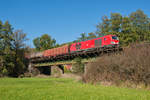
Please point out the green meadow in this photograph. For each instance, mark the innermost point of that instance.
(64, 89)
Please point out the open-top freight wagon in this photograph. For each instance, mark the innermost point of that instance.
(56, 51)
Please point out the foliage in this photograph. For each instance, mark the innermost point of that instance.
(91, 35)
(129, 29)
(64, 89)
(6, 48)
(103, 27)
(12, 48)
(84, 36)
(44, 42)
(78, 67)
(19, 38)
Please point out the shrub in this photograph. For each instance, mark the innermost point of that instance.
(132, 65)
(78, 66)
(4, 72)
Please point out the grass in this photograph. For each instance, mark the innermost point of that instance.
(64, 89)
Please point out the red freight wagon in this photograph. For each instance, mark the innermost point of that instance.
(108, 40)
(36, 55)
(56, 51)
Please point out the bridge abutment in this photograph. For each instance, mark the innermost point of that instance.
(57, 71)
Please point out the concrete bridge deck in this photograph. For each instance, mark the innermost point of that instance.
(62, 62)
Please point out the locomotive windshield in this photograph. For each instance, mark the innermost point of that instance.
(114, 37)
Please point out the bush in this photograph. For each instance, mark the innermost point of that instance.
(132, 65)
(4, 72)
(78, 67)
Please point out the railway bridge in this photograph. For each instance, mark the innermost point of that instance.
(51, 68)
(59, 64)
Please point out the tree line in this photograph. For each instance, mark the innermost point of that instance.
(12, 49)
(129, 29)
(132, 28)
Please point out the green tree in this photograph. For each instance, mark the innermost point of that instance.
(37, 44)
(116, 20)
(103, 27)
(78, 66)
(6, 39)
(91, 35)
(19, 48)
(126, 35)
(1, 37)
(11, 50)
(139, 22)
(82, 37)
(132, 28)
(44, 42)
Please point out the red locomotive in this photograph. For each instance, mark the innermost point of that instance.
(83, 46)
(105, 41)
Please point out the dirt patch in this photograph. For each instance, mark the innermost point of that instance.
(42, 76)
(70, 75)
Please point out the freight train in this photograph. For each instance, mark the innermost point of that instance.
(107, 41)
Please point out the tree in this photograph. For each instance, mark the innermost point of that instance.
(6, 39)
(91, 35)
(44, 42)
(19, 47)
(126, 35)
(139, 22)
(116, 20)
(103, 27)
(78, 66)
(1, 36)
(132, 28)
(82, 37)
(12, 47)
(37, 44)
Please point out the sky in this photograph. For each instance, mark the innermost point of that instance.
(63, 20)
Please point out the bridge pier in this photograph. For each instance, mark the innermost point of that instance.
(30, 67)
(57, 71)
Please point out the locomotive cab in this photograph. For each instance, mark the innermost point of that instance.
(114, 40)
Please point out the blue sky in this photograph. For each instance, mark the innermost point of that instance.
(64, 20)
